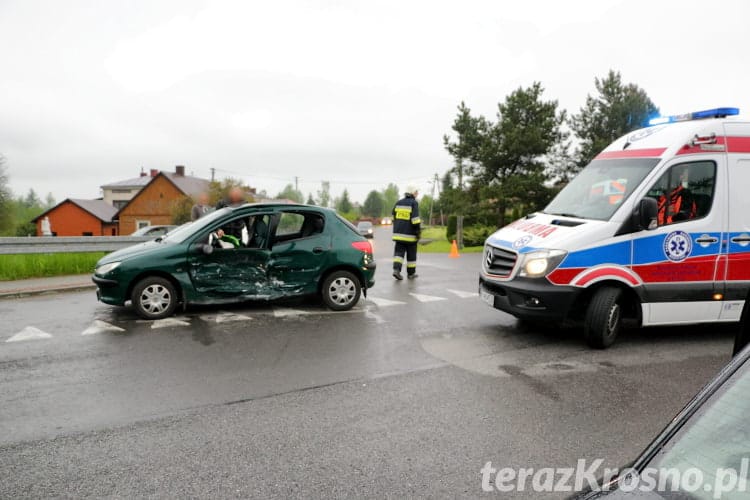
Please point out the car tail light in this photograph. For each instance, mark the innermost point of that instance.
(362, 246)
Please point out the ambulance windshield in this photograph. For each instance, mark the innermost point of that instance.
(600, 188)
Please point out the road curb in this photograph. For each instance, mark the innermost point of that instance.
(19, 294)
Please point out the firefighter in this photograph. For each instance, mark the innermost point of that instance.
(406, 231)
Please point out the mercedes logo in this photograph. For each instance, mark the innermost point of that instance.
(490, 257)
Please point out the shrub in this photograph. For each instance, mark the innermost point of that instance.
(476, 234)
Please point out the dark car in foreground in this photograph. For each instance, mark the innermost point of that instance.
(284, 251)
(703, 453)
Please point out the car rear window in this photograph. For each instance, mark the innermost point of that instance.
(348, 224)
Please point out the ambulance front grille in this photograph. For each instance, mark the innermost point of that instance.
(499, 261)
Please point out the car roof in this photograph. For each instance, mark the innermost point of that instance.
(286, 206)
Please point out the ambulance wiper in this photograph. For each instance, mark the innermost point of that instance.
(565, 215)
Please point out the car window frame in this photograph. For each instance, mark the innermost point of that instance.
(669, 169)
(199, 236)
(302, 212)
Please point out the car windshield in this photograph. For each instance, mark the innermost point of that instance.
(714, 440)
(365, 225)
(601, 188)
(180, 234)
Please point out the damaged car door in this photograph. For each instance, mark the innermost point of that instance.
(223, 270)
(301, 249)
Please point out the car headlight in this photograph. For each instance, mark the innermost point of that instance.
(538, 264)
(106, 268)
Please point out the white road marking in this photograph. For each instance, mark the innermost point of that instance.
(99, 326)
(384, 302)
(29, 333)
(371, 315)
(426, 298)
(228, 317)
(167, 322)
(288, 313)
(463, 295)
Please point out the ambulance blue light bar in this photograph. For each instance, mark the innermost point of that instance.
(695, 115)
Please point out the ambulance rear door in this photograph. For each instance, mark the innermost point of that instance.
(737, 244)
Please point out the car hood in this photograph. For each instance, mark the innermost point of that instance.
(130, 252)
(544, 231)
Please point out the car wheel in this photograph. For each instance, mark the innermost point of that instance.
(341, 290)
(154, 298)
(603, 317)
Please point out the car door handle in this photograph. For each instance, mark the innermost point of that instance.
(741, 239)
(318, 250)
(707, 239)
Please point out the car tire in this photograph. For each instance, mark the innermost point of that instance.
(154, 298)
(603, 317)
(341, 290)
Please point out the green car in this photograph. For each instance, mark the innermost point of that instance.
(281, 251)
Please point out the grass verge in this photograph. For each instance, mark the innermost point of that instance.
(439, 243)
(43, 265)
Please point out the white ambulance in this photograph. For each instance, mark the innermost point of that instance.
(655, 231)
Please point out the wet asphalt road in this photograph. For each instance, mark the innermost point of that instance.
(410, 394)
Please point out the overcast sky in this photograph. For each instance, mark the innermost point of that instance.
(356, 92)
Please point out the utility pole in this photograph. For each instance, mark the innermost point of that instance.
(296, 182)
(213, 174)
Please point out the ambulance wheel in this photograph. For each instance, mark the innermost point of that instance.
(154, 298)
(603, 317)
(341, 290)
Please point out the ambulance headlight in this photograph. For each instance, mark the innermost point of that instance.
(538, 264)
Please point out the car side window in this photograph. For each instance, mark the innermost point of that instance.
(684, 192)
(296, 225)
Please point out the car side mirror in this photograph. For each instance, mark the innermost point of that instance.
(646, 213)
(203, 248)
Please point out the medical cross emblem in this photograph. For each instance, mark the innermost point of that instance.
(677, 246)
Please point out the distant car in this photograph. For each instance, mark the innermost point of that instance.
(365, 229)
(285, 251)
(703, 451)
(386, 221)
(153, 231)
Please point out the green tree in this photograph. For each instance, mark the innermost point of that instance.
(7, 221)
(289, 193)
(614, 110)
(508, 158)
(218, 190)
(32, 199)
(390, 197)
(466, 142)
(344, 204)
(49, 201)
(373, 206)
(310, 199)
(324, 194)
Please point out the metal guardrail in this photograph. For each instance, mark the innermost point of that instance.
(67, 244)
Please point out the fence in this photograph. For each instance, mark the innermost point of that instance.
(68, 244)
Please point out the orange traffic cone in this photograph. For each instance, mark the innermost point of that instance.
(454, 250)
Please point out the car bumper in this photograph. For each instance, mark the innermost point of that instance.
(109, 291)
(531, 299)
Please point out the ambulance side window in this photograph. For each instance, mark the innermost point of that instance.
(685, 192)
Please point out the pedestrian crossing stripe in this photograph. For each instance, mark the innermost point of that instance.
(463, 295)
(167, 322)
(288, 313)
(426, 298)
(380, 302)
(228, 317)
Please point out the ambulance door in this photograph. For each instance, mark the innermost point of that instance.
(678, 260)
(737, 242)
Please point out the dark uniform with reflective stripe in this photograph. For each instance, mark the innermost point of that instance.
(406, 230)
